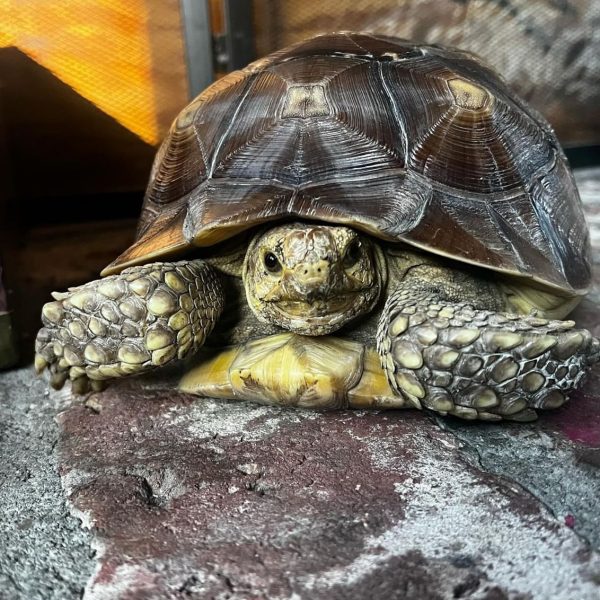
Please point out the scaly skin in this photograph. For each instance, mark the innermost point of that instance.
(126, 324)
(454, 358)
(445, 337)
(324, 277)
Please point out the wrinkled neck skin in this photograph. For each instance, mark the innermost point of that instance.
(312, 279)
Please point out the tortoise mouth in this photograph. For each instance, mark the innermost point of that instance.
(319, 317)
(319, 308)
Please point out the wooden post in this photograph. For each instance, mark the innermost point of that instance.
(8, 342)
(8, 346)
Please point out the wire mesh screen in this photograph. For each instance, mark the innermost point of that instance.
(125, 57)
(548, 50)
(88, 88)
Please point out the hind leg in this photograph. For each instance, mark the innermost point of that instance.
(127, 324)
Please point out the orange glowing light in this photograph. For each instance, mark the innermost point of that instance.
(101, 48)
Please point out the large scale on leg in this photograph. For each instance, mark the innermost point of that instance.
(354, 221)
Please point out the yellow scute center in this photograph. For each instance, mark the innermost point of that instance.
(468, 95)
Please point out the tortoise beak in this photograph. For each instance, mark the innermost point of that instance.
(312, 280)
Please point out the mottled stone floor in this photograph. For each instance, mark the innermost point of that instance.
(167, 496)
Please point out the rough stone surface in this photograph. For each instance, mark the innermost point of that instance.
(190, 498)
(557, 459)
(44, 553)
(206, 499)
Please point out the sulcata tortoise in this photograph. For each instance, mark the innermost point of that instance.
(353, 221)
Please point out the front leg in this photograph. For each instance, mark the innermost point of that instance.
(127, 324)
(446, 355)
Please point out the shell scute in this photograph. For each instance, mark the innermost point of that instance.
(411, 143)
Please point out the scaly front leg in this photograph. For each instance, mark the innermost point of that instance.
(447, 356)
(127, 324)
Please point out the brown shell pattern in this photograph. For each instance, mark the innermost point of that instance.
(413, 143)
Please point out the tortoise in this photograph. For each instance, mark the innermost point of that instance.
(397, 195)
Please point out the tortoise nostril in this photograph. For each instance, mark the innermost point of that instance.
(312, 273)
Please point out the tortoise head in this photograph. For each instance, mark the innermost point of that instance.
(312, 279)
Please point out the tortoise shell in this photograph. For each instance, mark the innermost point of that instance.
(409, 142)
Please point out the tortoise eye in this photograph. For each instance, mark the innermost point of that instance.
(272, 263)
(353, 254)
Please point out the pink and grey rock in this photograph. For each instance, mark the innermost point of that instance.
(192, 498)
